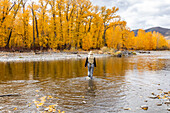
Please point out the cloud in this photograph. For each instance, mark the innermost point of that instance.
(141, 13)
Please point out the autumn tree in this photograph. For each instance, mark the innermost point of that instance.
(15, 11)
(69, 24)
(108, 15)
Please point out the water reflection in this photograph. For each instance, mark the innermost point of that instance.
(91, 88)
(116, 83)
(106, 67)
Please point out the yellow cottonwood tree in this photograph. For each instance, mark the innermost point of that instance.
(66, 24)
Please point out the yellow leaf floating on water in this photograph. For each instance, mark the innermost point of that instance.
(59, 111)
(37, 90)
(15, 108)
(49, 97)
(158, 97)
(145, 108)
(54, 110)
(35, 102)
(40, 104)
(29, 104)
(43, 98)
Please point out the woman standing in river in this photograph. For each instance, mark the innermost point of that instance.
(90, 63)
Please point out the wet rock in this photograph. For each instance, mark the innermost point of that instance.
(133, 53)
(74, 52)
(159, 104)
(84, 102)
(153, 97)
(165, 92)
(144, 107)
(127, 108)
(46, 109)
(145, 101)
(143, 52)
(109, 53)
(160, 89)
(153, 93)
(78, 55)
(100, 52)
(167, 102)
(119, 55)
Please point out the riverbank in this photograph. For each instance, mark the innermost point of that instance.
(51, 56)
(44, 56)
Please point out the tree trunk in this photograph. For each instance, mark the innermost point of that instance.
(90, 24)
(104, 37)
(10, 34)
(55, 34)
(7, 45)
(33, 28)
(36, 22)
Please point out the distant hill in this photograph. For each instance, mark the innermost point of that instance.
(164, 31)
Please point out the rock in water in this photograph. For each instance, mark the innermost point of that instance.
(144, 107)
(165, 92)
(145, 101)
(127, 108)
(84, 102)
(159, 104)
(153, 97)
(167, 102)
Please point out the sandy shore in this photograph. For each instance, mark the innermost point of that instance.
(28, 57)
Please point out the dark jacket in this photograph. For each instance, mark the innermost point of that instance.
(88, 62)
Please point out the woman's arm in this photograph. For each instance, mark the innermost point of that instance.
(86, 62)
(94, 62)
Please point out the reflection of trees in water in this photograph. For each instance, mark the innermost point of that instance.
(113, 66)
(143, 64)
(108, 66)
(36, 70)
(52, 69)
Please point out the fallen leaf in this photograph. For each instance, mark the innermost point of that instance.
(15, 108)
(49, 97)
(40, 104)
(37, 90)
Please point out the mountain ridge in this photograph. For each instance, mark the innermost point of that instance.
(164, 31)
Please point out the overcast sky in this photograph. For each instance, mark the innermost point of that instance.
(141, 14)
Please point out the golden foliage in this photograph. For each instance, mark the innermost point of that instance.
(65, 24)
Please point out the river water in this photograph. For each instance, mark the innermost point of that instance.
(118, 84)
